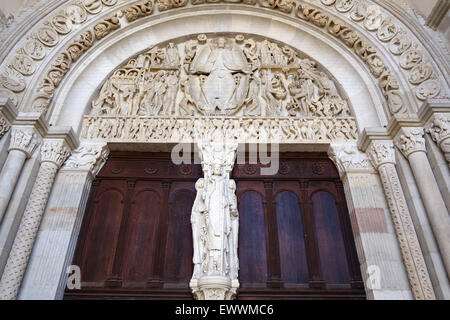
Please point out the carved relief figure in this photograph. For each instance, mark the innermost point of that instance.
(222, 76)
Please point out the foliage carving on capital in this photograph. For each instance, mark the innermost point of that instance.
(348, 158)
(55, 152)
(381, 153)
(23, 139)
(411, 140)
(88, 157)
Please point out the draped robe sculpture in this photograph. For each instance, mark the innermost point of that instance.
(215, 223)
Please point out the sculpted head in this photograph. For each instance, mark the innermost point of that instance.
(217, 170)
(232, 185)
(221, 42)
(200, 184)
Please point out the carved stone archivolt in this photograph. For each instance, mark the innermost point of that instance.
(428, 85)
(399, 42)
(42, 40)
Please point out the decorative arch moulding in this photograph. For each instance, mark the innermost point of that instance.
(408, 52)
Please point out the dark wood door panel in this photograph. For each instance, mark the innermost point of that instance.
(136, 237)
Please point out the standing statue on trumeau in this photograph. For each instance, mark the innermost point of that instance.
(221, 82)
(215, 216)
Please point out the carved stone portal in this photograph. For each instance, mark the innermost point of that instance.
(216, 92)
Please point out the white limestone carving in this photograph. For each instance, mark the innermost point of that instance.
(23, 139)
(348, 158)
(76, 13)
(439, 130)
(4, 126)
(53, 155)
(215, 221)
(149, 129)
(88, 157)
(411, 140)
(12, 80)
(24, 64)
(381, 153)
(220, 77)
(382, 156)
(411, 143)
(428, 90)
(374, 18)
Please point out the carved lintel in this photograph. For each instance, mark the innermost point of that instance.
(381, 152)
(410, 140)
(348, 159)
(88, 157)
(187, 130)
(23, 139)
(55, 152)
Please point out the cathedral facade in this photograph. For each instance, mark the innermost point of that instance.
(225, 149)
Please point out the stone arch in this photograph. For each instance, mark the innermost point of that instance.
(146, 10)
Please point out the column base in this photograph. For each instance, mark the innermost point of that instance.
(214, 288)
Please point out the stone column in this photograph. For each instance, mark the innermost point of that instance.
(53, 155)
(22, 145)
(46, 276)
(411, 143)
(440, 133)
(215, 224)
(382, 267)
(382, 156)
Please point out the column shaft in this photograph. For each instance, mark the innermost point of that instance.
(433, 202)
(23, 243)
(9, 176)
(416, 269)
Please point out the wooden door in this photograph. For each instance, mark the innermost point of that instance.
(136, 239)
(295, 240)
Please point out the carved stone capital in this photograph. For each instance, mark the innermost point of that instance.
(348, 158)
(24, 139)
(439, 129)
(214, 288)
(55, 152)
(88, 157)
(410, 140)
(4, 126)
(381, 152)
